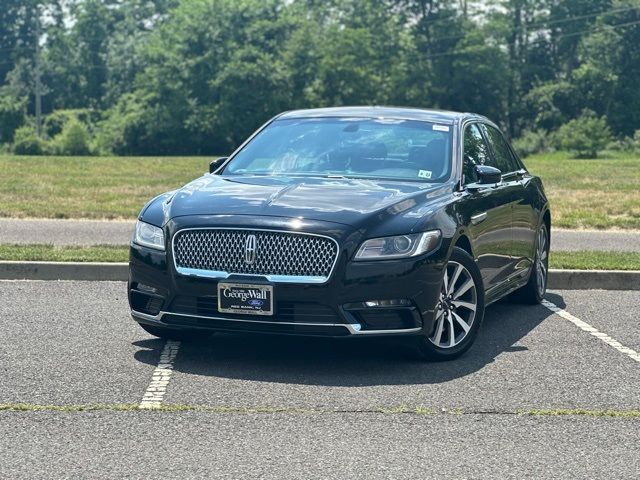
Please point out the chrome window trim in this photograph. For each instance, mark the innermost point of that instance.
(220, 275)
(353, 329)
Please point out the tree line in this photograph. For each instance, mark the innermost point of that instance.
(170, 77)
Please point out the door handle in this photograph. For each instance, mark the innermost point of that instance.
(480, 217)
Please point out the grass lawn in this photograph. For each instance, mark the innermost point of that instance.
(49, 253)
(89, 187)
(108, 253)
(601, 193)
(595, 260)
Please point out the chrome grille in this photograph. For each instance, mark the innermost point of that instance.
(279, 255)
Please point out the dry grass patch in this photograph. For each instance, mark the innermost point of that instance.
(599, 193)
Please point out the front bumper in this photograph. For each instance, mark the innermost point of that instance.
(222, 324)
(407, 292)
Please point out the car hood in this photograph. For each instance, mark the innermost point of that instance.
(339, 200)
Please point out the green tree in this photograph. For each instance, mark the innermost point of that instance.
(17, 33)
(479, 78)
(197, 76)
(551, 104)
(608, 77)
(435, 28)
(214, 74)
(12, 113)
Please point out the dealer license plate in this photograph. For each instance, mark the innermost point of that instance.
(244, 298)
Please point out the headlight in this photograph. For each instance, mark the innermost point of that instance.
(149, 236)
(400, 246)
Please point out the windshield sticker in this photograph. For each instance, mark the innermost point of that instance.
(424, 173)
(441, 128)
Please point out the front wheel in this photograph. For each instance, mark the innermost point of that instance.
(459, 312)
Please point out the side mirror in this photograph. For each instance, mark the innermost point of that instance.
(488, 175)
(216, 164)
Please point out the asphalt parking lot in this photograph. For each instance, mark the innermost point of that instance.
(539, 395)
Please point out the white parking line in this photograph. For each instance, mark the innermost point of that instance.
(593, 331)
(154, 394)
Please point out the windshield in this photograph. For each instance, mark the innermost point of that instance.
(349, 147)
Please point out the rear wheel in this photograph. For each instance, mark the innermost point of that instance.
(533, 292)
(172, 334)
(459, 312)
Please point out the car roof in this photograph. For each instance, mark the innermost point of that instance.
(404, 113)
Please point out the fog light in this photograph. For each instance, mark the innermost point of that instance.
(146, 288)
(398, 302)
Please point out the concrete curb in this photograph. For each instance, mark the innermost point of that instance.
(594, 279)
(558, 279)
(91, 271)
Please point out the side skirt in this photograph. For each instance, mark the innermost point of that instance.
(510, 285)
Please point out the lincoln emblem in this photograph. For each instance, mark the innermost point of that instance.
(250, 250)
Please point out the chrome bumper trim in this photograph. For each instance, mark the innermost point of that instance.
(194, 272)
(353, 329)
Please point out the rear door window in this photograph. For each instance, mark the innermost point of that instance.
(505, 160)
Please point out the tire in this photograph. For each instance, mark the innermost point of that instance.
(533, 292)
(461, 308)
(172, 334)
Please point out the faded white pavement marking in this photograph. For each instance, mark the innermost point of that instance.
(593, 331)
(156, 390)
(154, 394)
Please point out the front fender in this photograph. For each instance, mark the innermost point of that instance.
(156, 211)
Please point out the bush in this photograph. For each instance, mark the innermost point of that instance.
(585, 135)
(73, 140)
(26, 142)
(624, 144)
(55, 122)
(630, 144)
(533, 141)
(635, 141)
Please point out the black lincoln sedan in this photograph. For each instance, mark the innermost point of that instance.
(346, 222)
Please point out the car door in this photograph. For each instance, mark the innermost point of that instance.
(523, 231)
(487, 210)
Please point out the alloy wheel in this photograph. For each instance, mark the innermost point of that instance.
(542, 258)
(457, 307)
